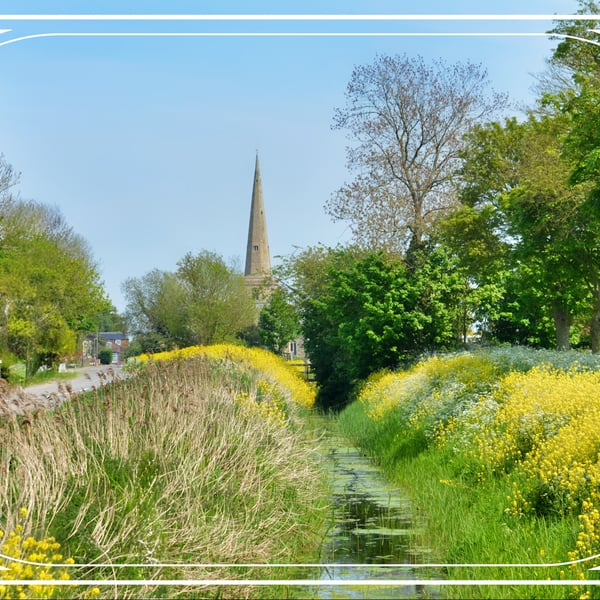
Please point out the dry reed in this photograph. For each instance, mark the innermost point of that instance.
(164, 467)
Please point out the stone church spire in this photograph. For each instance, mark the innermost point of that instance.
(258, 259)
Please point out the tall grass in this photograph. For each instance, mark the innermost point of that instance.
(499, 452)
(172, 465)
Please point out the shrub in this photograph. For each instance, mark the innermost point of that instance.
(105, 356)
(520, 420)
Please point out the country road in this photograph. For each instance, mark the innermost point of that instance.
(87, 377)
(44, 395)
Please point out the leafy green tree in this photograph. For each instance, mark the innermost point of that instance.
(219, 304)
(278, 322)
(546, 212)
(521, 314)
(49, 285)
(205, 301)
(572, 51)
(583, 145)
(307, 275)
(579, 103)
(373, 312)
(111, 321)
(516, 194)
(156, 311)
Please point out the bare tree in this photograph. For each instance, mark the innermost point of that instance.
(8, 177)
(407, 119)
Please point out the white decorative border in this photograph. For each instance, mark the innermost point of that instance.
(305, 18)
(289, 34)
(308, 18)
(297, 17)
(304, 582)
(297, 565)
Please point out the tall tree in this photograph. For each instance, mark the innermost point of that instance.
(50, 288)
(205, 301)
(219, 303)
(582, 147)
(581, 144)
(407, 119)
(156, 311)
(515, 188)
(362, 312)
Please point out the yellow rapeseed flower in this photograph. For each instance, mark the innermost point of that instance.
(267, 364)
(30, 550)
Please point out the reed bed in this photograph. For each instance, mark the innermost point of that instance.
(175, 465)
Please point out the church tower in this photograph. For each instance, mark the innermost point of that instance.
(258, 259)
(257, 273)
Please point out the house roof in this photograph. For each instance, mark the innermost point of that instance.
(112, 335)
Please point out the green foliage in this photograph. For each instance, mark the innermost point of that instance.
(375, 312)
(571, 52)
(111, 321)
(249, 336)
(218, 303)
(156, 310)
(204, 301)
(278, 322)
(520, 225)
(49, 284)
(105, 356)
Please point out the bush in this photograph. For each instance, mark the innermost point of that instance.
(4, 371)
(105, 357)
(514, 433)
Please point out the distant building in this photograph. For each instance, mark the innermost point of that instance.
(257, 273)
(115, 341)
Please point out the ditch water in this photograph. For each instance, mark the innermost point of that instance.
(372, 534)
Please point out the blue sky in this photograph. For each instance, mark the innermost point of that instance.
(147, 144)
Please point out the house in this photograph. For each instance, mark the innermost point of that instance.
(115, 341)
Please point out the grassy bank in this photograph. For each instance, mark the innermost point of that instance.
(499, 452)
(196, 459)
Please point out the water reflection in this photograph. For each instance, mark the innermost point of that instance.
(371, 527)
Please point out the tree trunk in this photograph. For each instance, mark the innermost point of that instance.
(562, 322)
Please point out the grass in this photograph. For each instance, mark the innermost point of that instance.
(499, 459)
(168, 466)
(16, 375)
(49, 375)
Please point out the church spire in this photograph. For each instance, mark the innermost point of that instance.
(258, 260)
